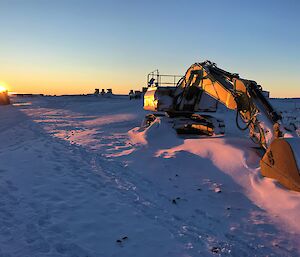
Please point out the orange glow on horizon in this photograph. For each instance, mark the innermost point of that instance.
(85, 83)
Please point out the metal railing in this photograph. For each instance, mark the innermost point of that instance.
(158, 80)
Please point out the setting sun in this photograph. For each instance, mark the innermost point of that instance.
(3, 87)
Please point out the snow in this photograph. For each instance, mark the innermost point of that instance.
(81, 177)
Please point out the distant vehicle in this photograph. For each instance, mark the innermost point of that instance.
(4, 98)
(108, 92)
(135, 94)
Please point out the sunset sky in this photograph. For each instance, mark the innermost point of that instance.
(74, 46)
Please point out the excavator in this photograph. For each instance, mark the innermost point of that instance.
(254, 112)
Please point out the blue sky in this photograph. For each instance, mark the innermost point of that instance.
(73, 46)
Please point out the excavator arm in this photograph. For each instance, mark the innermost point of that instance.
(244, 96)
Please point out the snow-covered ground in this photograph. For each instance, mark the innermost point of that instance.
(79, 177)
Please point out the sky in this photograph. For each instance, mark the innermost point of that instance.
(75, 46)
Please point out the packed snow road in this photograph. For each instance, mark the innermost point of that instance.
(79, 178)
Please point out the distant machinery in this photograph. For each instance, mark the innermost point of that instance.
(4, 98)
(135, 94)
(108, 92)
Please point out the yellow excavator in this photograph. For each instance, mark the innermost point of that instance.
(281, 159)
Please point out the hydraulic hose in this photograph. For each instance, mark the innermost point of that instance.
(237, 122)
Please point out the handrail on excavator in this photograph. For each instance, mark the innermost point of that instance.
(158, 80)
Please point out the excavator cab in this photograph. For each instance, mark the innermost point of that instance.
(162, 94)
(163, 91)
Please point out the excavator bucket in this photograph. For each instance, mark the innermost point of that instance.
(282, 162)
